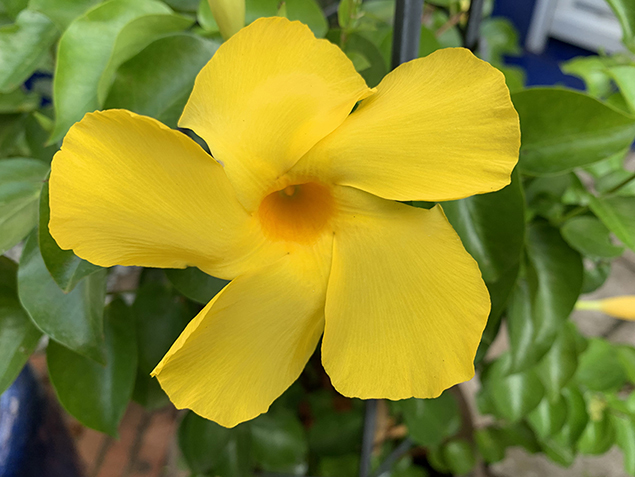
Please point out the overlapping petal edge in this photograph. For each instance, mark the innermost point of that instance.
(400, 304)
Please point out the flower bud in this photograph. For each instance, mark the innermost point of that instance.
(229, 15)
(619, 306)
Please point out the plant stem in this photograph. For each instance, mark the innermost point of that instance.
(621, 184)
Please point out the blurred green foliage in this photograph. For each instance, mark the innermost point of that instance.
(540, 242)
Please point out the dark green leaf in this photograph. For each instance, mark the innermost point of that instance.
(520, 327)
(280, 443)
(65, 267)
(73, 319)
(148, 392)
(560, 363)
(516, 395)
(577, 417)
(376, 69)
(158, 81)
(18, 101)
(600, 368)
(428, 42)
(548, 418)
(94, 394)
(308, 12)
(617, 214)
(20, 185)
(341, 466)
(23, 47)
(431, 421)
(18, 336)
(458, 454)
(208, 447)
(595, 274)
(491, 444)
(563, 129)
(590, 237)
(336, 433)
(195, 284)
(559, 273)
(88, 57)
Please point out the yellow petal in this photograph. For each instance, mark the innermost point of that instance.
(439, 128)
(619, 307)
(127, 190)
(266, 97)
(406, 304)
(251, 342)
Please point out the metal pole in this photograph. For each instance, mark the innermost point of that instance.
(472, 32)
(368, 438)
(407, 31)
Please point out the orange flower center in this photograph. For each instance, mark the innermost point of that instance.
(297, 213)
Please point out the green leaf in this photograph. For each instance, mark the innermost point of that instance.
(428, 42)
(74, 319)
(458, 454)
(431, 421)
(595, 274)
(598, 436)
(499, 38)
(160, 317)
(560, 363)
(590, 237)
(280, 443)
(65, 267)
(563, 129)
(20, 185)
(625, 12)
(335, 433)
(98, 395)
(491, 227)
(625, 439)
(63, 12)
(210, 448)
(617, 214)
(491, 443)
(376, 68)
(205, 17)
(624, 76)
(593, 71)
(341, 466)
(158, 81)
(548, 418)
(516, 395)
(18, 101)
(18, 336)
(23, 47)
(88, 57)
(308, 12)
(559, 273)
(600, 368)
(577, 417)
(520, 327)
(195, 284)
(626, 355)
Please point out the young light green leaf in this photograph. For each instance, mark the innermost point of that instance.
(564, 129)
(94, 394)
(20, 184)
(617, 214)
(18, 101)
(65, 267)
(593, 70)
(88, 57)
(158, 81)
(624, 77)
(18, 335)
(590, 237)
(625, 12)
(74, 319)
(23, 47)
(62, 12)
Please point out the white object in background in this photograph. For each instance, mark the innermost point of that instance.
(589, 24)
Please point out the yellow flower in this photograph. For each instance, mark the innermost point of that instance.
(618, 306)
(299, 211)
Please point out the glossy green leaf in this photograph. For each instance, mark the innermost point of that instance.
(18, 335)
(23, 47)
(376, 67)
(195, 284)
(520, 327)
(625, 439)
(95, 394)
(590, 237)
(600, 367)
(625, 12)
(74, 319)
(560, 363)
(147, 392)
(336, 433)
(279, 443)
(626, 355)
(598, 436)
(564, 129)
(63, 12)
(308, 12)
(593, 71)
(158, 81)
(491, 227)
(20, 184)
(18, 101)
(205, 17)
(577, 417)
(210, 448)
(595, 274)
(617, 214)
(624, 76)
(160, 317)
(559, 274)
(431, 421)
(428, 42)
(65, 267)
(458, 454)
(516, 395)
(88, 57)
(549, 417)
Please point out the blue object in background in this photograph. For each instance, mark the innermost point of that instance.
(543, 69)
(34, 441)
